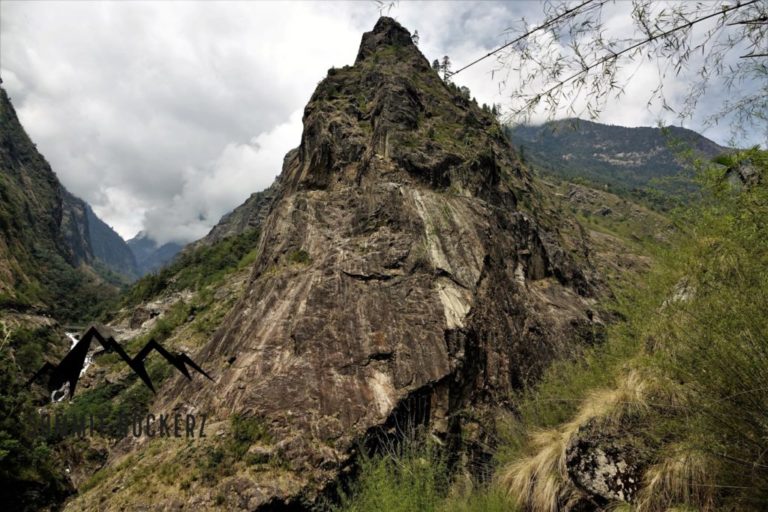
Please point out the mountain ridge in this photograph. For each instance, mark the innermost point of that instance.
(149, 255)
(624, 158)
(47, 241)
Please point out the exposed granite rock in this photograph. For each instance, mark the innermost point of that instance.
(74, 229)
(406, 270)
(743, 174)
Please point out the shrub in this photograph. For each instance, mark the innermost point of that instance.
(697, 329)
(247, 430)
(299, 257)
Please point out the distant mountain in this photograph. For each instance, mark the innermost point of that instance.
(149, 255)
(242, 220)
(47, 256)
(91, 241)
(624, 158)
(110, 247)
(58, 266)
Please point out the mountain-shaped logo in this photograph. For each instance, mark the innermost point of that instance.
(69, 370)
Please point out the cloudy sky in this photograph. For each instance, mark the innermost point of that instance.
(166, 115)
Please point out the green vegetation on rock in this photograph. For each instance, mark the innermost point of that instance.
(683, 374)
(46, 263)
(31, 475)
(679, 382)
(200, 267)
(644, 163)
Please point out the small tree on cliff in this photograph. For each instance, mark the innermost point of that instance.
(445, 67)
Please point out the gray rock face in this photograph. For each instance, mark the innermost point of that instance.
(89, 240)
(74, 229)
(109, 247)
(607, 463)
(744, 174)
(403, 274)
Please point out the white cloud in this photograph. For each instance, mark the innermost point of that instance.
(211, 190)
(141, 97)
(165, 115)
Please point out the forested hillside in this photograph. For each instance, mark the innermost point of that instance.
(643, 161)
(47, 261)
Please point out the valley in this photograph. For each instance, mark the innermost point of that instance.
(427, 310)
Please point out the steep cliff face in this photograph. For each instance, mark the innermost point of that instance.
(109, 247)
(45, 242)
(89, 241)
(31, 202)
(407, 269)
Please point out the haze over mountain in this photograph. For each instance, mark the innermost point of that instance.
(149, 255)
(198, 78)
(108, 246)
(409, 318)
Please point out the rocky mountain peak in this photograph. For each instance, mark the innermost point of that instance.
(391, 117)
(386, 32)
(402, 273)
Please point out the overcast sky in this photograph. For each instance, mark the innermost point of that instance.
(166, 115)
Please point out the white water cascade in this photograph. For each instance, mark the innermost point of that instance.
(73, 338)
(63, 392)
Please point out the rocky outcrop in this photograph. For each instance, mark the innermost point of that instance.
(608, 462)
(74, 229)
(248, 216)
(406, 270)
(743, 174)
(109, 247)
(88, 240)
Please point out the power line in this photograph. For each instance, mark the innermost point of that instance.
(652, 37)
(586, 2)
(542, 27)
